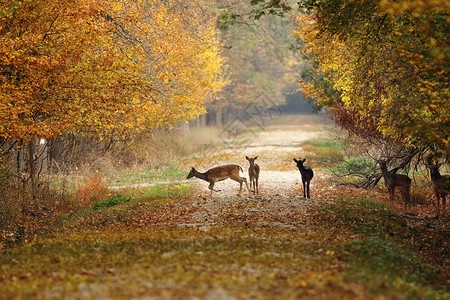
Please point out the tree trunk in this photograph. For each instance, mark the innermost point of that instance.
(218, 118)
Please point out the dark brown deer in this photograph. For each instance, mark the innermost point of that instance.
(307, 174)
(441, 185)
(253, 173)
(392, 181)
(218, 174)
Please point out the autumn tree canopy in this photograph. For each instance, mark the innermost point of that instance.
(97, 67)
(381, 67)
(260, 63)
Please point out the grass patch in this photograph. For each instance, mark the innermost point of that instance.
(387, 259)
(160, 191)
(122, 208)
(327, 152)
(326, 144)
(355, 165)
(369, 216)
(110, 202)
(388, 267)
(168, 172)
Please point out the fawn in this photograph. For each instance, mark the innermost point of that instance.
(253, 173)
(218, 174)
(441, 185)
(307, 174)
(392, 181)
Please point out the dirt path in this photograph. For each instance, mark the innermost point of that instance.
(275, 146)
(280, 188)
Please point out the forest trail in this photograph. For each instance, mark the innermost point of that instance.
(276, 146)
(275, 245)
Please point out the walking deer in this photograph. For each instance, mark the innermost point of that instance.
(253, 173)
(392, 181)
(307, 174)
(218, 174)
(441, 185)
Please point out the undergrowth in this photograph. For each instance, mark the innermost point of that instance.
(395, 256)
(110, 202)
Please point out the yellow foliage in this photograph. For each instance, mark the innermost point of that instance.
(385, 65)
(103, 67)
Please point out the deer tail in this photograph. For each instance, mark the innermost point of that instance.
(241, 169)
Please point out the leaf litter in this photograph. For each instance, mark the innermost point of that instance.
(268, 246)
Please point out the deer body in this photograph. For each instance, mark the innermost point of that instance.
(441, 185)
(392, 181)
(253, 173)
(216, 174)
(307, 174)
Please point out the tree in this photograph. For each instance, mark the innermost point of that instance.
(103, 67)
(259, 58)
(381, 71)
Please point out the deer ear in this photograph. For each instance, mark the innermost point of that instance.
(295, 160)
(304, 160)
(246, 157)
(256, 157)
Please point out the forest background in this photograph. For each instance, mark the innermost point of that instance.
(92, 90)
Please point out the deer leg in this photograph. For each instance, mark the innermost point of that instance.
(391, 194)
(211, 187)
(406, 201)
(257, 188)
(307, 185)
(246, 184)
(437, 204)
(240, 180)
(443, 203)
(405, 193)
(304, 189)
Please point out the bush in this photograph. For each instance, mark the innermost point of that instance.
(419, 195)
(91, 192)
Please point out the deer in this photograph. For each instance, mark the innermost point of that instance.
(391, 180)
(253, 173)
(441, 185)
(220, 173)
(307, 174)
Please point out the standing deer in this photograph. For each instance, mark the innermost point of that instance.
(441, 185)
(253, 173)
(392, 181)
(218, 174)
(307, 174)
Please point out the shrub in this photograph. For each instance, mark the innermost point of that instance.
(91, 192)
(419, 195)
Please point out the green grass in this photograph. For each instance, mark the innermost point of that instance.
(159, 191)
(326, 144)
(121, 207)
(327, 152)
(113, 201)
(369, 216)
(169, 172)
(355, 165)
(385, 258)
